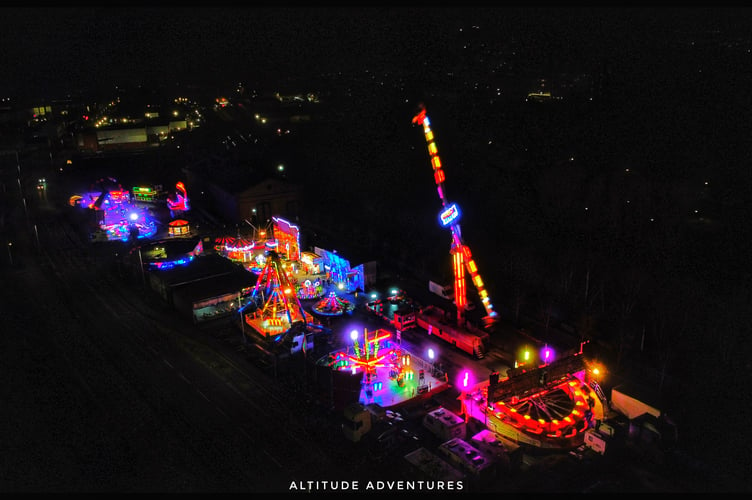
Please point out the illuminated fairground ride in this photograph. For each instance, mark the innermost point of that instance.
(179, 202)
(449, 217)
(250, 252)
(388, 377)
(242, 250)
(284, 239)
(278, 313)
(136, 222)
(548, 406)
(288, 239)
(278, 307)
(117, 215)
(310, 289)
(332, 305)
(102, 192)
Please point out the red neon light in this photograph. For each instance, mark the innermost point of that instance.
(438, 176)
(420, 117)
(457, 245)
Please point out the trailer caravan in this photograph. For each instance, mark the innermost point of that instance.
(444, 424)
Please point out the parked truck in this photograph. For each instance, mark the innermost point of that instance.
(444, 291)
(467, 338)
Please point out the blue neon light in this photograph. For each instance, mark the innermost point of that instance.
(449, 216)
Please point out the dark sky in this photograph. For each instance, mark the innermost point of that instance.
(51, 50)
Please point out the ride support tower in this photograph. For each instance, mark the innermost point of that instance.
(462, 258)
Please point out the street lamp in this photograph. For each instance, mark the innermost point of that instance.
(354, 338)
(10, 255)
(36, 235)
(431, 357)
(141, 263)
(242, 320)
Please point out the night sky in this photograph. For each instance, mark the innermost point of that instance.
(59, 49)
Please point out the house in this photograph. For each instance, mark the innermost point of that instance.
(235, 194)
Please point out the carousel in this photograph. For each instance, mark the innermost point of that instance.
(332, 305)
(388, 376)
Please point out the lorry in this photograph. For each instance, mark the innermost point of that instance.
(444, 291)
(467, 338)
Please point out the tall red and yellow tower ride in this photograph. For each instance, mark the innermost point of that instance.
(449, 216)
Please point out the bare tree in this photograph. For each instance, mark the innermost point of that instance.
(519, 298)
(546, 310)
(676, 305)
(628, 292)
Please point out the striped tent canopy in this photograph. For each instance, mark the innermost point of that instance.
(239, 244)
(224, 242)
